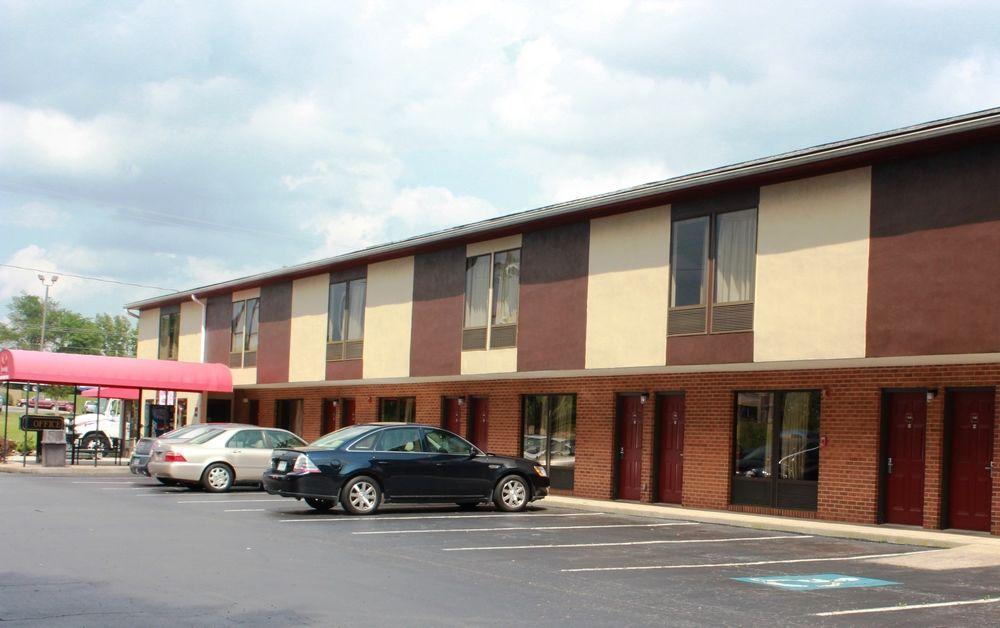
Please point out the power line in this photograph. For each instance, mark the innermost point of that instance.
(87, 278)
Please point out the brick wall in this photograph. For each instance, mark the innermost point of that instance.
(850, 413)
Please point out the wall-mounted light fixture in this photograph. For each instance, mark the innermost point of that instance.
(643, 398)
(461, 401)
(335, 402)
(931, 394)
(245, 400)
(824, 393)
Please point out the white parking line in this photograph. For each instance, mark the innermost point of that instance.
(106, 482)
(343, 518)
(159, 493)
(751, 563)
(617, 544)
(127, 488)
(614, 525)
(246, 510)
(908, 607)
(226, 501)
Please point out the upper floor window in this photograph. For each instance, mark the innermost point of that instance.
(170, 327)
(245, 333)
(713, 255)
(492, 291)
(345, 330)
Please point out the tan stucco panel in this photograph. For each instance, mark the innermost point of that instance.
(189, 343)
(491, 361)
(628, 289)
(147, 345)
(243, 295)
(244, 376)
(489, 246)
(811, 292)
(307, 344)
(388, 319)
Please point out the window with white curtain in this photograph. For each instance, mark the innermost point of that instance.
(346, 322)
(492, 298)
(477, 290)
(736, 250)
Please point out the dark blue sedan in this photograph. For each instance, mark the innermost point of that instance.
(363, 465)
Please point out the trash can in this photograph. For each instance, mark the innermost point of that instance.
(53, 448)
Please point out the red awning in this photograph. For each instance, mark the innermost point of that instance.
(110, 392)
(41, 367)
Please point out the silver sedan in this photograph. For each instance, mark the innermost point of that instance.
(220, 456)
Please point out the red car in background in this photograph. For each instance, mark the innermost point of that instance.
(41, 404)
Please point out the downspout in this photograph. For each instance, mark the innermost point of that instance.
(203, 397)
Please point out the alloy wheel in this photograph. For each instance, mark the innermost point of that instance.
(218, 478)
(363, 496)
(513, 493)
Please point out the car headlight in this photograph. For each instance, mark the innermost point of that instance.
(540, 470)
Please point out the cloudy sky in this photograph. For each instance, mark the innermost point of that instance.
(176, 144)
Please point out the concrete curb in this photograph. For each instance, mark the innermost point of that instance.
(15, 468)
(879, 534)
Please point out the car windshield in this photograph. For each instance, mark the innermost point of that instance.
(205, 436)
(341, 436)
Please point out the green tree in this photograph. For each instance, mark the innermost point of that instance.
(66, 331)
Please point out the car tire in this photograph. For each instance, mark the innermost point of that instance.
(361, 496)
(95, 440)
(512, 494)
(167, 482)
(468, 505)
(217, 478)
(321, 505)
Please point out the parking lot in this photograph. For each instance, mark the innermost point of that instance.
(120, 551)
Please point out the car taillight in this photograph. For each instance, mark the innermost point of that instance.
(304, 465)
(173, 456)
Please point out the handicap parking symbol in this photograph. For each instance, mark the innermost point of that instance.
(811, 582)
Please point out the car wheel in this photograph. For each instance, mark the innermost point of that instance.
(468, 505)
(167, 482)
(217, 478)
(511, 494)
(361, 496)
(321, 505)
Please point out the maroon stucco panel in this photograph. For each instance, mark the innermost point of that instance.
(218, 333)
(275, 333)
(344, 369)
(438, 312)
(728, 348)
(934, 268)
(552, 321)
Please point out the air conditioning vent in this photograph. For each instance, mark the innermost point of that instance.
(505, 336)
(473, 339)
(737, 317)
(250, 358)
(235, 360)
(334, 351)
(355, 349)
(687, 321)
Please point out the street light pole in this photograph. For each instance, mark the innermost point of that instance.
(48, 282)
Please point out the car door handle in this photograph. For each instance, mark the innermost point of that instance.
(237, 451)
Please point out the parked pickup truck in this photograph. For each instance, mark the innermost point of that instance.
(97, 430)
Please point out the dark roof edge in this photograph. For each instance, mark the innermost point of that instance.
(809, 156)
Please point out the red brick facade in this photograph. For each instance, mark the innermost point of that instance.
(850, 419)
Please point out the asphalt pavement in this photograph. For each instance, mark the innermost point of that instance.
(96, 551)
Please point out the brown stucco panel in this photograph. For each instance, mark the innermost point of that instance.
(218, 332)
(934, 268)
(710, 349)
(275, 333)
(344, 369)
(552, 321)
(438, 311)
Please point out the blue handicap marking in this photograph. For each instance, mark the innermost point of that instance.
(811, 582)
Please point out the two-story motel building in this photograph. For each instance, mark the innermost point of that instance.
(815, 334)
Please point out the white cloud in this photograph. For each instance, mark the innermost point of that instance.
(51, 140)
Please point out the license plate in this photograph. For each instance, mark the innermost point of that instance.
(282, 465)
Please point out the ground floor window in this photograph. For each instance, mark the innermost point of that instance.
(397, 409)
(549, 435)
(776, 457)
